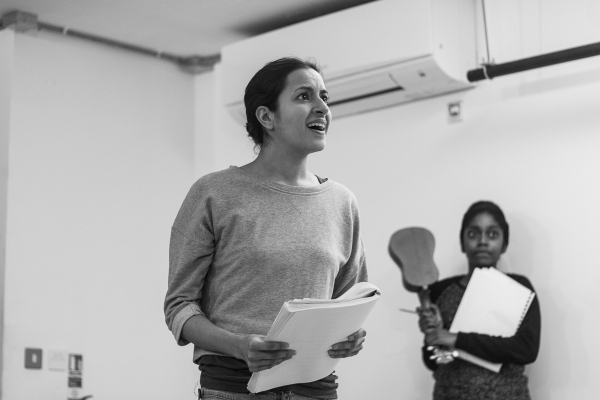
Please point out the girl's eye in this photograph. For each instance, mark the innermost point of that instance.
(471, 234)
(493, 235)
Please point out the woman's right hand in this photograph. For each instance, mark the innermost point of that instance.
(430, 318)
(260, 354)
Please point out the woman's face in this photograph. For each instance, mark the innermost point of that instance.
(301, 122)
(483, 241)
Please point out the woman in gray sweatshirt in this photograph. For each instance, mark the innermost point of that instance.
(249, 238)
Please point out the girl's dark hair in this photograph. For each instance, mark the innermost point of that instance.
(485, 207)
(264, 89)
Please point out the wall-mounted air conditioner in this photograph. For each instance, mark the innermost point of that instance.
(375, 55)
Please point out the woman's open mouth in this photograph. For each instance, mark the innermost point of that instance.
(317, 126)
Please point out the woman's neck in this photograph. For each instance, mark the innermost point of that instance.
(273, 167)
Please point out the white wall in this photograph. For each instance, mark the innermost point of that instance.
(530, 143)
(101, 147)
(6, 64)
(536, 156)
(100, 157)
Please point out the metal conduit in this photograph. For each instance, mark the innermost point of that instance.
(23, 21)
(110, 42)
(490, 71)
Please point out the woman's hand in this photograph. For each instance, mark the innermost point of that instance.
(260, 354)
(429, 318)
(440, 337)
(350, 347)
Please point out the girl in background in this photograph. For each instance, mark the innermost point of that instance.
(483, 238)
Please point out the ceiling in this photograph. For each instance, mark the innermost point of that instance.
(182, 27)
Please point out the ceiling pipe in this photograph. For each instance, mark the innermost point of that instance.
(125, 46)
(22, 21)
(490, 71)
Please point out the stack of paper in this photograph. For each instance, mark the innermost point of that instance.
(493, 304)
(311, 327)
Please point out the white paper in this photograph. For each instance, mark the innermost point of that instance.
(493, 304)
(311, 332)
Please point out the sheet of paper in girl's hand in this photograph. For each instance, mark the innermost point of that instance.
(493, 304)
(311, 327)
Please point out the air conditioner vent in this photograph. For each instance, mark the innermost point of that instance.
(382, 53)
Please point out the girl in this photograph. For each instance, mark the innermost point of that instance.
(483, 238)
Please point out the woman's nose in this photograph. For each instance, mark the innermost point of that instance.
(321, 107)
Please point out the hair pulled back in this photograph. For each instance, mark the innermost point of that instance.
(485, 207)
(264, 89)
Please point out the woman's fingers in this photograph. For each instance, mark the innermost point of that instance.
(264, 364)
(350, 347)
(258, 343)
(263, 354)
(343, 352)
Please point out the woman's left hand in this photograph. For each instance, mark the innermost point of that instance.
(349, 348)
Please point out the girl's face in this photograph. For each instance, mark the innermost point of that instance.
(483, 241)
(303, 117)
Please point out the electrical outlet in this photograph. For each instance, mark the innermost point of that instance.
(454, 112)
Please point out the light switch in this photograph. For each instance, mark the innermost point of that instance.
(58, 360)
(33, 358)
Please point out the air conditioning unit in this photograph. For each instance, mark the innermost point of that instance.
(379, 54)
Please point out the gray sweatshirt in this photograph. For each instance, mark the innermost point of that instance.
(240, 248)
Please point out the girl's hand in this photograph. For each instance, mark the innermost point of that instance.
(440, 337)
(429, 318)
(260, 354)
(349, 348)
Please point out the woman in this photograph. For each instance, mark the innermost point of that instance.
(483, 238)
(248, 239)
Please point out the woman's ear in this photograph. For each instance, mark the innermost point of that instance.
(265, 117)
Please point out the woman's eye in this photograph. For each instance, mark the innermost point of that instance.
(471, 234)
(303, 96)
(493, 235)
(325, 99)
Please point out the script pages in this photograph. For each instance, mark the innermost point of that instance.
(493, 304)
(311, 327)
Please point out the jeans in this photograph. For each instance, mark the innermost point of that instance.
(210, 394)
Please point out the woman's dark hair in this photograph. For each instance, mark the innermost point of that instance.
(485, 207)
(264, 89)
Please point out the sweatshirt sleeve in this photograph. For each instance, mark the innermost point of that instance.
(350, 274)
(190, 256)
(355, 269)
(522, 348)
